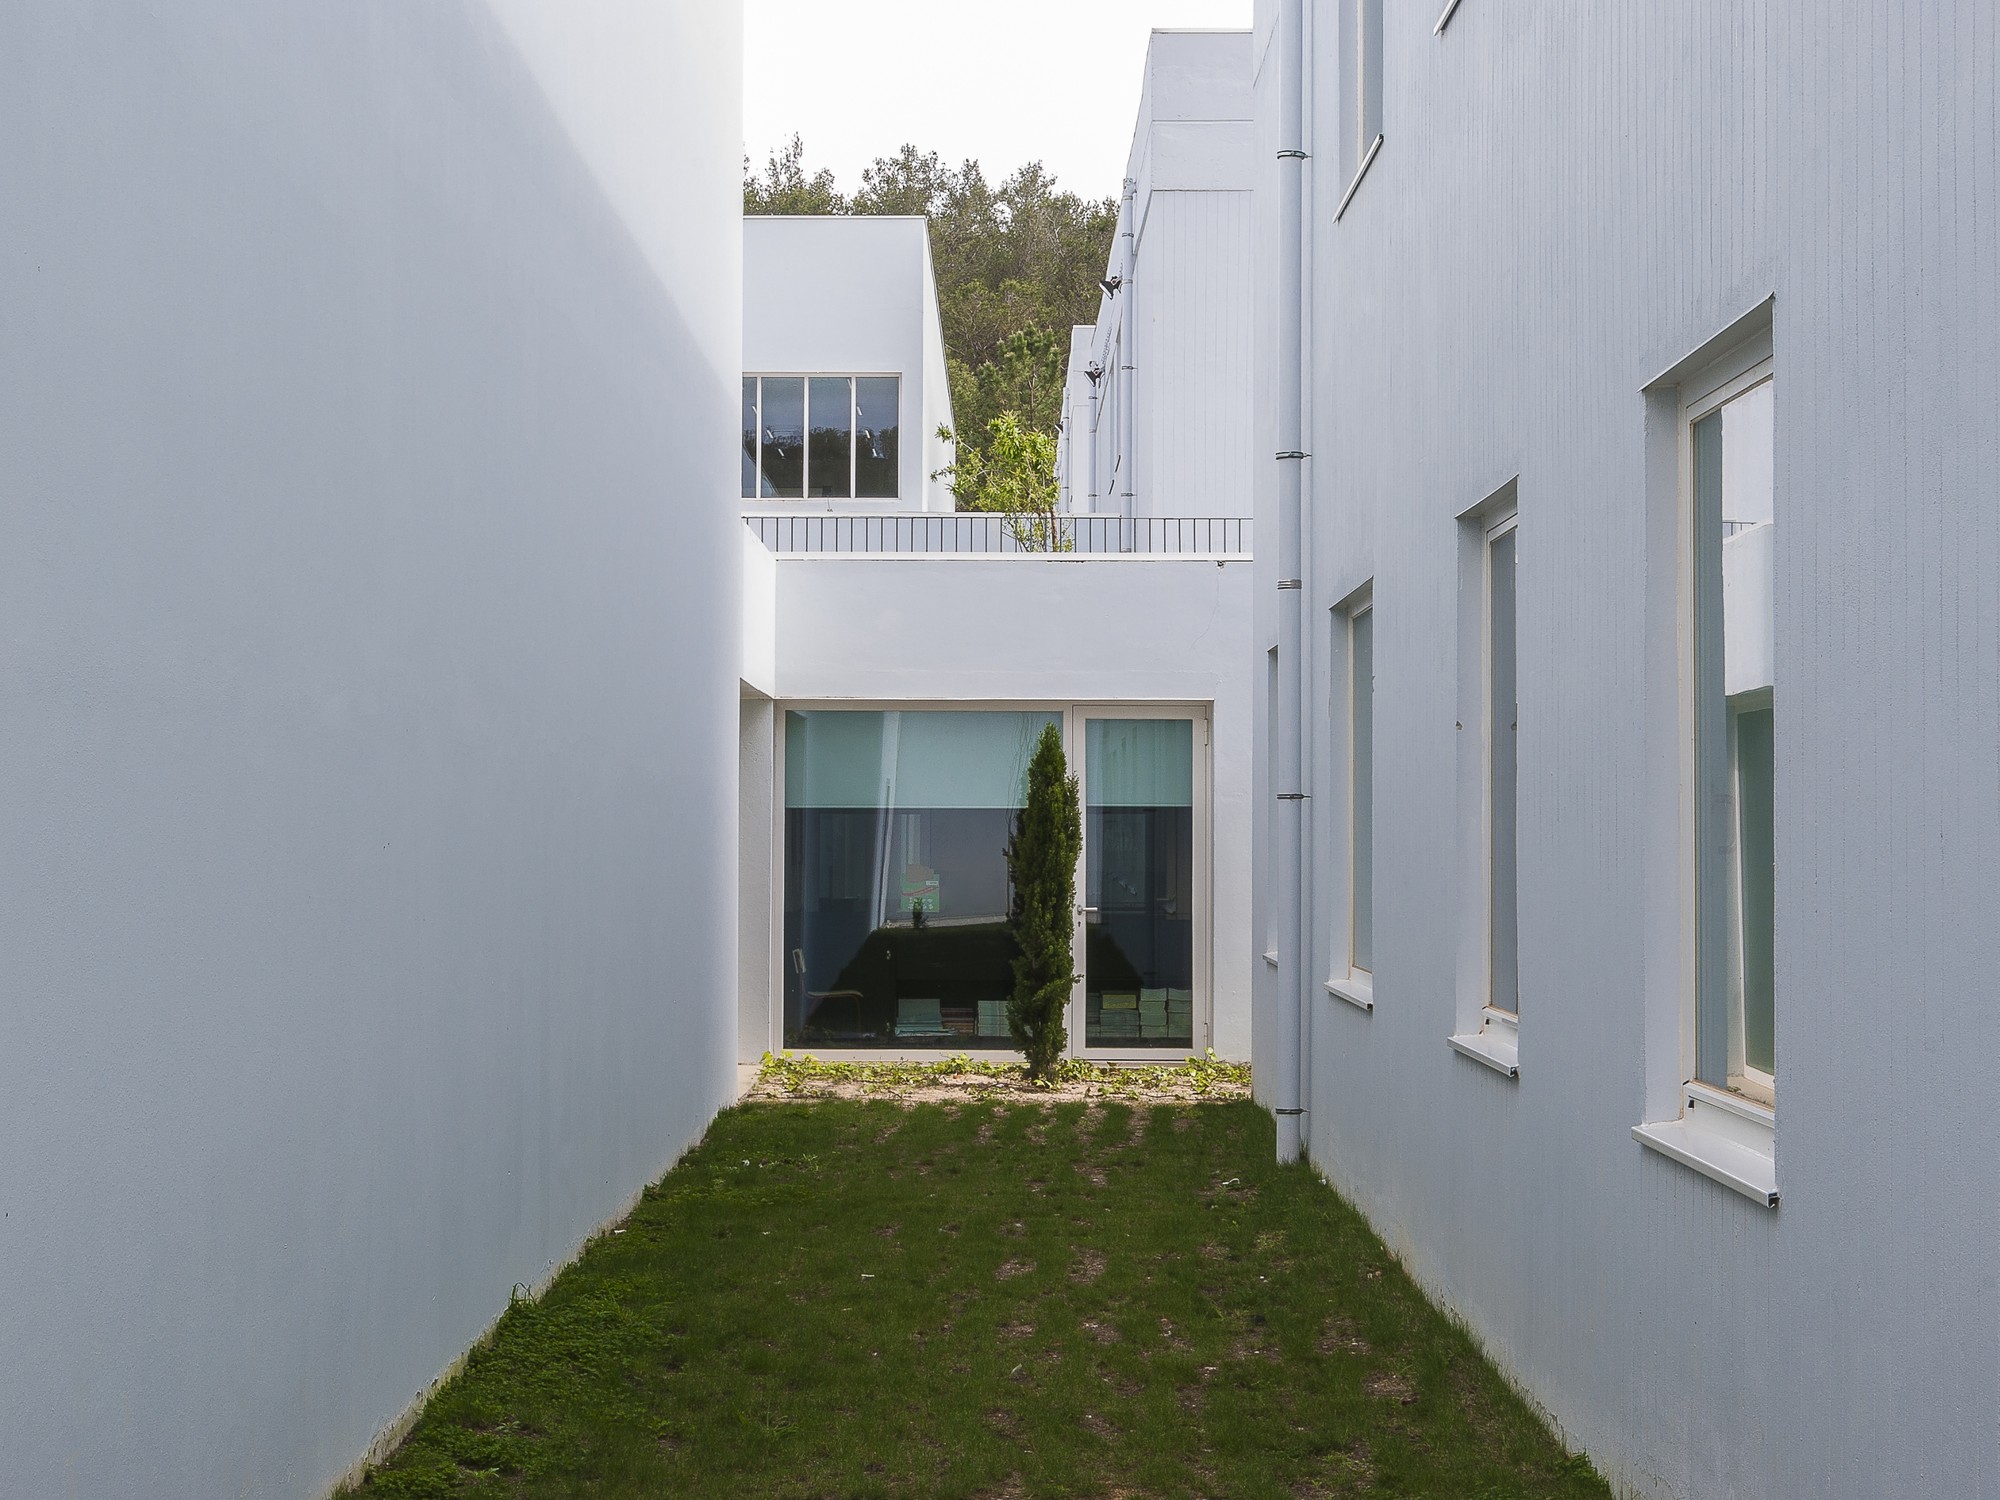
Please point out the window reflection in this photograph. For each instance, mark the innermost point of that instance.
(784, 437)
(876, 402)
(896, 890)
(827, 437)
(1734, 531)
(830, 455)
(1139, 883)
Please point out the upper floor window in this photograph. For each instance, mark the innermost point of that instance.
(1361, 90)
(820, 437)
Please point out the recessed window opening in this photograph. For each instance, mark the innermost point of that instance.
(1361, 818)
(1271, 871)
(1361, 104)
(1502, 770)
(821, 437)
(1730, 458)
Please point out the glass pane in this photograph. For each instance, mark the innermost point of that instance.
(1504, 991)
(784, 415)
(896, 891)
(877, 399)
(749, 437)
(830, 459)
(1363, 666)
(1734, 625)
(1138, 841)
(1754, 841)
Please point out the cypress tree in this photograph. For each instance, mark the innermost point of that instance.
(1041, 860)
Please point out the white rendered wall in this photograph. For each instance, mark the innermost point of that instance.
(1559, 214)
(852, 295)
(368, 666)
(1187, 308)
(1046, 630)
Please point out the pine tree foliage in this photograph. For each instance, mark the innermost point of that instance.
(1041, 861)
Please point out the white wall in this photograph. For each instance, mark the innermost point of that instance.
(1558, 214)
(368, 665)
(1185, 312)
(1046, 630)
(852, 295)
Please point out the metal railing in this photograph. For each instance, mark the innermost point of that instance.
(985, 532)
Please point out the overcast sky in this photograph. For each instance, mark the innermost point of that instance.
(1006, 81)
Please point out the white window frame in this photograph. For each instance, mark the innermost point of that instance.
(1704, 868)
(1484, 1032)
(1070, 714)
(853, 438)
(1076, 736)
(1349, 981)
(1362, 67)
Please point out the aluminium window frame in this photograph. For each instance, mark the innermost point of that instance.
(1201, 885)
(1348, 981)
(1711, 876)
(1482, 1031)
(853, 435)
(1070, 714)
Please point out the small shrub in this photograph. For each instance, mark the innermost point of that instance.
(1041, 861)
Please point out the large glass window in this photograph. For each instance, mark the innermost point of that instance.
(896, 889)
(827, 437)
(1138, 841)
(1735, 856)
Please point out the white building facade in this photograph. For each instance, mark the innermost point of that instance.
(900, 662)
(1157, 399)
(367, 712)
(844, 383)
(1627, 717)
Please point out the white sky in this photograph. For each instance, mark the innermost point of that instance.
(1005, 81)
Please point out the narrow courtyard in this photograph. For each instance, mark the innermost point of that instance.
(980, 1293)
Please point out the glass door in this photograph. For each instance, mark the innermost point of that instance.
(1142, 931)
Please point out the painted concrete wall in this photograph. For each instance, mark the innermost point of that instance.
(853, 295)
(1184, 318)
(368, 670)
(1558, 214)
(1042, 630)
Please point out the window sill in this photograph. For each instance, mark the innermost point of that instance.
(1725, 1139)
(1360, 172)
(1491, 1047)
(1357, 988)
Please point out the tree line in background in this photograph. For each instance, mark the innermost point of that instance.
(1017, 266)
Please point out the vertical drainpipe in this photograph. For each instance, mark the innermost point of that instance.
(1289, 727)
(1127, 335)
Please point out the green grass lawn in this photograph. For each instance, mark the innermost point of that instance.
(859, 1298)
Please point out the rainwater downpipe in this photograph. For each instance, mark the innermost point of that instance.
(1289, 812)
(1128, 331)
